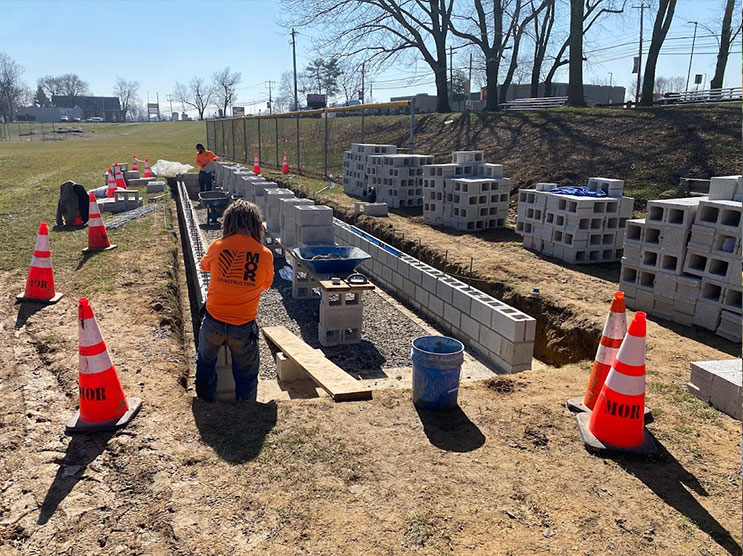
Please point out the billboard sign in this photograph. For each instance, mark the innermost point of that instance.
(238, 111)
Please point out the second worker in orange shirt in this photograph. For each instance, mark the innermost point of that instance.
(240, 268)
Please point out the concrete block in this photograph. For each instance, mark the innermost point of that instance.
(707, 315)
(723, 188)
(510, 323)
(452, 315)
(444, 289)
(422, 295)
(313, 235)
(730, 326)
(436, 305)
(313, 215)
(470, 326)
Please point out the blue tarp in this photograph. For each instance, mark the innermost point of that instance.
(578, 191)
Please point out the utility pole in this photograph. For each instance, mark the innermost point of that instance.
(170, 99)
(469, 87)
(362, 82)
(611, 78)
(294, 56)
(451, 73)
(641, 7)
(158, 105)
(691, 56)
(270, 99)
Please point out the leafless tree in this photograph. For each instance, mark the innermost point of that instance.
(137, 112)
(51, 85)
(197, 94)
(381, 31)
(727, 36)
(594, 10)
(349, 80)
(542, 32)
(12, 89)
(663, 19)
(127, 93)
(225, 88)
(575, 80)
(72, 86)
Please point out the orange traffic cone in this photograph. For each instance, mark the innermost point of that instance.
(147, 170)
(256, 165)
(616, 422)
(40, 281)
(103, 405)
(285, 165)
(78, 220)
(119, 177)
(111, 186)
(614, 331)
(135, 163)
(97, 236)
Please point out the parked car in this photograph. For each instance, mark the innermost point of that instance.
(64, 119)
(95, 119)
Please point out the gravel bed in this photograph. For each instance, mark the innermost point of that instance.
(386, 335)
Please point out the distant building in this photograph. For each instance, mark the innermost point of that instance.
(48, 114)
(423, 102)
(107, 108)
(594, 94)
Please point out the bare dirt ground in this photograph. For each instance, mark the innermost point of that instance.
(504, 474)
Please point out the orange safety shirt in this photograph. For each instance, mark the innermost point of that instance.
(202, 159)
(240, 269)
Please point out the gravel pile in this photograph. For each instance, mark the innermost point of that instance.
(386, 335)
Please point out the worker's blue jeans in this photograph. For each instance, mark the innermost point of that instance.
(242, 341)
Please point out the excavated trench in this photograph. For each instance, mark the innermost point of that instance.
(562, 336)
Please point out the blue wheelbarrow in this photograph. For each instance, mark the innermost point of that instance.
(215, 203)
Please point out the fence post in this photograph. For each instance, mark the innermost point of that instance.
(363, 112)
(325, 148)
(412, 127)
(233, 139)
(223, 153)
(42, 132)
(245, 139)
(276, 127)
(299, 166)
(260, 155)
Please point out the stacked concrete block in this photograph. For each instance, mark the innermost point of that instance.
(719, 383)
(259, 193)
(397, 178)
(371, 209)
(341, 317)
(355, 163)
(287, 219)
(683, 262)
(313, 225)
(123, 200)
(573, 228)
(726, 188)
(248, 186)
(272, 216)
(467, 194)
(131, 175)
(501, 334)
(155, 187)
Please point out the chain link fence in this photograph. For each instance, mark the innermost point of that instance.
(33, 131)
(313, 140)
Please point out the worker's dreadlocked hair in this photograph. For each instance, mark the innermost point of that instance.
(242, 216)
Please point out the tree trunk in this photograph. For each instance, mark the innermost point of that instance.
(575, 83)
(442, 93)
(540, 46)
(660, 30)
(492, 66)
(722, 55)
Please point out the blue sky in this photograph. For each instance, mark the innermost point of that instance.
(160, 42)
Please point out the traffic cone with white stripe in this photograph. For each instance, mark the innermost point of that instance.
(614, 330)
(119, 177)
(110, 184)
(256, 165)
(97, 236)
(616, 423)
(285, 165)
(103, 405)
(147, 169)
(40, 281)
(135, 163)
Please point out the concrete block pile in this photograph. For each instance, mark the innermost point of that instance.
(573, 228)
(354, 165)
(501, 334)
(719, 383)
(683, 261)
(397, 178)
(123, 200)
(466, 194)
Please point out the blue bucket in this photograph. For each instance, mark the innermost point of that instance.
(437, 361)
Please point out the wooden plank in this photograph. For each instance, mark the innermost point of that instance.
(331, 378)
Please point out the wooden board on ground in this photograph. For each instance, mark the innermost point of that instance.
(331, 378)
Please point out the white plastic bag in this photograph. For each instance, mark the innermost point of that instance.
(287, 273)
(168, 169)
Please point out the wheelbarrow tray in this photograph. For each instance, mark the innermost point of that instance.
(347, 258)
(214, 199)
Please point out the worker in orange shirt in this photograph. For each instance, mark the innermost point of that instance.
(206, 175)
(240, 268)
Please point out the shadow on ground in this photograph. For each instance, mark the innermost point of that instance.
(451, 430)
(235, 431)
(668, 480)
(82, 450)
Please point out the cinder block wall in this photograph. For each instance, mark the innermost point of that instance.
(502, 335)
